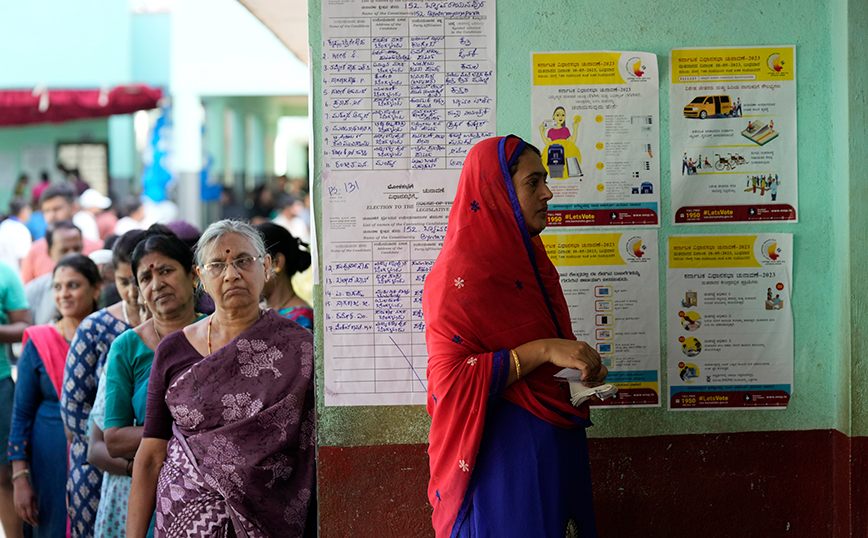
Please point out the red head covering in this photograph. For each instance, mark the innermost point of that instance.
(492, 289)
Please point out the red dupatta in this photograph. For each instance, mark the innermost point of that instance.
(491, 289)
(52, 349)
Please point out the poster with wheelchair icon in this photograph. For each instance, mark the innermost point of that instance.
(732, 120)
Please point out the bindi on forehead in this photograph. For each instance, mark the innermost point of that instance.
(152, 266)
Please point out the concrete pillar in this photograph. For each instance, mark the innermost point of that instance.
(254, 166)
(122, 156)
(187, 118)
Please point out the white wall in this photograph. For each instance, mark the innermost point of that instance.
(220, 48)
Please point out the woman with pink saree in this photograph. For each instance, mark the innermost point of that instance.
(228, 440)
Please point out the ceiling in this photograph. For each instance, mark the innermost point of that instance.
(287, 19)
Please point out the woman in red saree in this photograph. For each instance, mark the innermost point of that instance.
(228, 440)
(508, 452)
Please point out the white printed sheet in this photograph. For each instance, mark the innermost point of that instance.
(408, 89)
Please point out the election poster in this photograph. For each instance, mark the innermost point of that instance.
(729, 315)
(595, 118)
(610, 283)
(732, 120)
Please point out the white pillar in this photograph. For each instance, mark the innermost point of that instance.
(187, 118)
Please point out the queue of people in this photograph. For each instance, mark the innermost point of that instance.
(91, 434)
(163, 414)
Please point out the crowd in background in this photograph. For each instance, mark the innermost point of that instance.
(90, 288)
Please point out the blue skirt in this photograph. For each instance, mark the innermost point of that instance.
(48, 472)
(531, 478)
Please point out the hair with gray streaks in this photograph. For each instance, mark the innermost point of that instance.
(222, 227)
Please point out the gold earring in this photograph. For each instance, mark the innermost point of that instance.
(277, 269)
(145, 303)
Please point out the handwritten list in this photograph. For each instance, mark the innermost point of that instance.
(373, 317)
(407, 89)
(406, 85)
(381, 238)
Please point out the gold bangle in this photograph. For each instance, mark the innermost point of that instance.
(517, 364)
(19, 474)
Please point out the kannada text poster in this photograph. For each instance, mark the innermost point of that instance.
(733, 135)
(610, 284)
(595, 118)
(730, 324)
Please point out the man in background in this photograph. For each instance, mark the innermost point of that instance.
(91, 203)
(15, 239)
(62, 238)
(289, 208)
(58, 203)
(134, 219)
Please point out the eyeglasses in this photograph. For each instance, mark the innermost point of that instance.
(215, 269)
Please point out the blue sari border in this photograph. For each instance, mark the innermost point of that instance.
(499, 376)
(519, 218)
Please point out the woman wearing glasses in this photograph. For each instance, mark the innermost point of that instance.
(228, 440)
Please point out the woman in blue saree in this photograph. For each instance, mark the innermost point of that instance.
(37, 445)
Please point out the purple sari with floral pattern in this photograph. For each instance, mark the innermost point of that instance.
(241, 461)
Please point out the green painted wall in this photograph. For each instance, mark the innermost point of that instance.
(62, 44)
(829, 240)
(855, 169)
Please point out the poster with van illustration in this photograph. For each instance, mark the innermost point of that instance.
(732, 121)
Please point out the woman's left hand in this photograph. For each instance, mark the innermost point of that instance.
(25, 501)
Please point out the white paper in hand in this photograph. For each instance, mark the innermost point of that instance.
(581, 391)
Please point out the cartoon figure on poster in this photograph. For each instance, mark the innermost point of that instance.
(763, 184)
(561, 156)
(690, 346)
(691, 321)
(688, 372)
(691, 298)
(774, 301)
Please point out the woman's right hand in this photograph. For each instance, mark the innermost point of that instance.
(25, 501)
(576, 355)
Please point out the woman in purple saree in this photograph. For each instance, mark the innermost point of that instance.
(228, 447)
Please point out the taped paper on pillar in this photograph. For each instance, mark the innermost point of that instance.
(407, 89)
